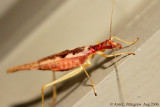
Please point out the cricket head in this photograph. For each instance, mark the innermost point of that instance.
(109, 44)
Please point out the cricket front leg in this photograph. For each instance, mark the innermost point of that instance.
(69, 75)
(112, 55)
(129, 43)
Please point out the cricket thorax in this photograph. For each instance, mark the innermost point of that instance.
(65, 60)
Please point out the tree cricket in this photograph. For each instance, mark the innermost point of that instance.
(78, 58)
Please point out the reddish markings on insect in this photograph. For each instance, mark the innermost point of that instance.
(68, 59)
(108, 44)
(63, 54)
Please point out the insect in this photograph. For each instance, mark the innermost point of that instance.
(78, 58)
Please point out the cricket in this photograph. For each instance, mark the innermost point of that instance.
(77, 59)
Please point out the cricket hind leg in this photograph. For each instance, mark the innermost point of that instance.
(69, 75)
(129, 43)
(54, 90)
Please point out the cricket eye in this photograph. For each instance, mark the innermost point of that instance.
(119, 46)
(107, 45)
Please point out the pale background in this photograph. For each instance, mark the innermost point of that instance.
(32, 29)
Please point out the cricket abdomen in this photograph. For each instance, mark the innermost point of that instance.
(29, 66)
(62, 61)
(63, 64)
(65, 60)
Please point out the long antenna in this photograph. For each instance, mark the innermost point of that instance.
(111, 17)
(113, 2)
(116, 61)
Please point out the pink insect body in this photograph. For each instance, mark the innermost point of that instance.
(68, 59)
